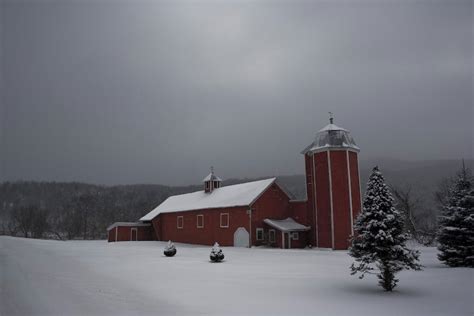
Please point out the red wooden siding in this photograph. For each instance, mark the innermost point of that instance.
(310, 193)
(323, 201)
(299, 212)
(166, 228)
(274, 204)
(355, 184)
(340, 199)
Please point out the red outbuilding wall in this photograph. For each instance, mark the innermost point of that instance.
(301, 242)
(124, 233)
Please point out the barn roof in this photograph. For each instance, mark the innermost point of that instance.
(229, 196)
(122, 224)
(286, 225)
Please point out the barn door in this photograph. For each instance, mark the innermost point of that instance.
(241, 237)
(134, 234)
(285, 240)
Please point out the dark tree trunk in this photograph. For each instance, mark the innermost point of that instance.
(387, 279)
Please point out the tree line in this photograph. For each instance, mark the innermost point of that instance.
(74, 210)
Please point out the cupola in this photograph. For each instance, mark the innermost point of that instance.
(211, 182)
(332, 137)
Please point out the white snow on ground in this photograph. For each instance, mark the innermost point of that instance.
(44, 277)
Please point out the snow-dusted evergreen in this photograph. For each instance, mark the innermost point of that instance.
(216, 253)
(456, 225)
(379, 245)
(170, 249)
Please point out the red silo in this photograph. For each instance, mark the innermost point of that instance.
(332, 186)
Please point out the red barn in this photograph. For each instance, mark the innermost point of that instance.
(234, 215)
(261, 212)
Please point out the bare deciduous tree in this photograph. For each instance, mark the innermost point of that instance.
(39, 223)
(441, 195)
(419, 222)
(23, 218)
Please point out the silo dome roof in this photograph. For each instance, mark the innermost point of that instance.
(331, 136)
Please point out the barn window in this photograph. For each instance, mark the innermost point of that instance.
(224, 220)
(200, 221)
(271, 235)
(295, 235)
(259, 233)
(180, 222)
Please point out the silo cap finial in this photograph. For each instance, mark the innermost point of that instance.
(331, 118)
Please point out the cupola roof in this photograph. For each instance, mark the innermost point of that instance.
(211, 177)
(331, 136)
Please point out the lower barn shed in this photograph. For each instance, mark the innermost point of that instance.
(130, 231)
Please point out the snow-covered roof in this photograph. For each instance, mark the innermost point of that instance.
(211, 177)
(286, 225)
(331, 136)
(229, 196)
(332, 127)
(119, 224)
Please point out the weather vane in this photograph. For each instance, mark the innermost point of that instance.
(331, 118)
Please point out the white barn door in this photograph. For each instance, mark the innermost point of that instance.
(241, 237)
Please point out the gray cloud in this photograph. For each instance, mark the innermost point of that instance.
(156, 92)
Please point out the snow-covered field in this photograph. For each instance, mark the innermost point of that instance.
(44, 277)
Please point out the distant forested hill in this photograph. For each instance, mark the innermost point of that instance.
(78, 210)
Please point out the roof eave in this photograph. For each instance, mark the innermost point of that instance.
(285, 230)
(192, 210)
(326, 148)
(307, 148)
(127, 224)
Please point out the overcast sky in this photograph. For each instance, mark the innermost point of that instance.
(118, 92)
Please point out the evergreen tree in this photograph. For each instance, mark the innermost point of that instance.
(456, 225)
(216, 253)
(379, 242)
(170, 249)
